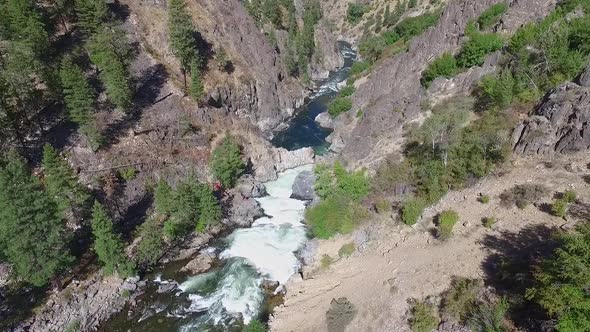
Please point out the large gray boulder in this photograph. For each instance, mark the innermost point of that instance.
(561, 124)
(303, 186)
(585, 77)
(244, 211)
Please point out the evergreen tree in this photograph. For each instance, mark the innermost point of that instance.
(61, 183)
(91, 14)
(181, 34)
(226, 162)
(151, 245)
(79, 98)
(110, 51)
(107, 245)
(387, 16)
(32, 235)
(209, 209)
(197, 90)
(26, 25)
(164, 198)
(62, 11)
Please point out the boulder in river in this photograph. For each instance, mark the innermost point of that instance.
(250, 188)
(303, 186)
(325, 120)
(200, 264)
(244, 211)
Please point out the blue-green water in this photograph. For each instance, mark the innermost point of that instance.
(303, 131)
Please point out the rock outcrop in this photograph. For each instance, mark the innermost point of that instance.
(83, 304)
(327, 57)
(392, 94)
(199, 264)
(257, 87)
(303, 186)
(277, 160)
(560, 124)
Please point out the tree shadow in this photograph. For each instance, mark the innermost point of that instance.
(509, 269)
(148, 90)
(120, 12)
(205, 49)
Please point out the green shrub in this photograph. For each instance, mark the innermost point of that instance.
(340, 314)
(73, 326)
(424, 318)
(497, 91)
(226, 162)
(354, 185)
(414, 26)
(151, 245)
(488, 222)
(335, 214)
(559, 208)
(561, 281)
(484, 199)
(125, 294)
(459, 299)
(476, 49)
(355, 12)
(128, 173)
(371, 48)
(346, 250)
(359, 114)
(523, 195)
(412, 210)
(346, 91)
(339, 105)
(489, 316)
(325, 262)
(390, 37)
(569, 196)
(383, 206)
(446, 221)
(444, 66)
(359, 67)
(254, 326)
(491, 15)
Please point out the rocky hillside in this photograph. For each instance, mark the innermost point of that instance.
(257, 87)
(391, 95)
(560, 124)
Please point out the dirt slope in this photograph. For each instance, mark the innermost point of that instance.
(400, 262)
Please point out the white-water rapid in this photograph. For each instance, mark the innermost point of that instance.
(265, 251)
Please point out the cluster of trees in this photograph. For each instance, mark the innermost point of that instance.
(36, 75)
(539, 57)
(181, 34)
(33, 234)
(473, 52)
(341, 192)
(300, 44)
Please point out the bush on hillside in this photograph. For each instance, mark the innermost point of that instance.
(559, 208)
(444, 66)
(254, 326)
(414, 26)
(355, 12)
(371, 48)
(390, 37)
(459, 299)
(492, 15)
(476, 49)
(484, 199)
(226, 162)
(346, 91)
(496, 91)
(335, 214)
(523, 195)
(488, 222)
(412, 210)
(359, 67)
(340, 314)
(446, 221)
(423, 317)
(346, 250)
(339, 105)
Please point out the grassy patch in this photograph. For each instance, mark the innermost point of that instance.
(423, 317)
(446, 221)
(346, 250)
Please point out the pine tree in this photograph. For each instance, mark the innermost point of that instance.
(164, 198)
(107, 245)
(181, 34)
(32, 235)
(110, 51)
(26, 25)
(91, 15)
(226, 162)
(61, 183)
(197, 90)
(387, 16)
(79, 98)
(209, 209)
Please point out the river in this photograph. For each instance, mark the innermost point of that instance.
(231, 292)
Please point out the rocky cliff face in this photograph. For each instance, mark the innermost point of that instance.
(561, 123)
(391, 95)
(257, 87)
